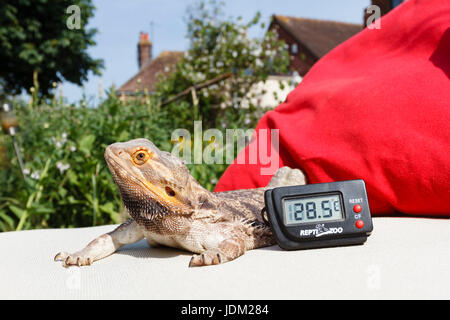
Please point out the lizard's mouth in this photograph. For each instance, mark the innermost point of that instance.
(137, 193)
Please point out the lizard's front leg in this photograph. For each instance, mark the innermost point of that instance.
(103, 246)
(227, 250)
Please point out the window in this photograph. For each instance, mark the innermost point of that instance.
(395, 3)
(294, 48)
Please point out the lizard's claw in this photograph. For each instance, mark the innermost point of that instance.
(207, 258)
(73, 259)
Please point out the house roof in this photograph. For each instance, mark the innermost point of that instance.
(148, 75)
(319, 36)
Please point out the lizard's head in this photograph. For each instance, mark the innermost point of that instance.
(152, 182)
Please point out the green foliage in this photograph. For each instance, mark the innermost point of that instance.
(35, 39)
(67, 181)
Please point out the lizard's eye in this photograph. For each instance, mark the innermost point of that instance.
(141, 156)
(170, 192)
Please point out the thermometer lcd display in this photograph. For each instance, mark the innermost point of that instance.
(312, 209)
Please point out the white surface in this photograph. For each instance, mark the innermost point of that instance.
(403, 258)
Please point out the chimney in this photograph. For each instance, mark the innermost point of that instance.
(144, 49)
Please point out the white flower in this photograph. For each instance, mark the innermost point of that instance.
(219, 64)
(26, 171)
(234, 54)
(247, 121)
(73, 149)
(62, 167)
(35, 175)
(256, 52)
(64, 138)
(58, 144)
(200, 77)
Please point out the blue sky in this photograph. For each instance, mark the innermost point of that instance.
(120, 21)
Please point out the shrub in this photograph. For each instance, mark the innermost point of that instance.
(67, 180)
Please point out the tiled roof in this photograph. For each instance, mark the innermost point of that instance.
(147, 77)
(319, 36)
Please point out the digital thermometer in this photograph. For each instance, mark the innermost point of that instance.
(319, 215)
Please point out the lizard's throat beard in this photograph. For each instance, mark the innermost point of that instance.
(143, 207)
(140, 203)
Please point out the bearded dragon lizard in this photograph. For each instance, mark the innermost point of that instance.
(169, 207)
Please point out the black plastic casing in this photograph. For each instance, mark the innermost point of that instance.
(351, 192)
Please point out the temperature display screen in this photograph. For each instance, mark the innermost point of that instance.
(312, 209)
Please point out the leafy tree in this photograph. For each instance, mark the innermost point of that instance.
(37, 46)
(220, 45)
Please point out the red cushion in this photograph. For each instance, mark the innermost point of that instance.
(376, 108)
